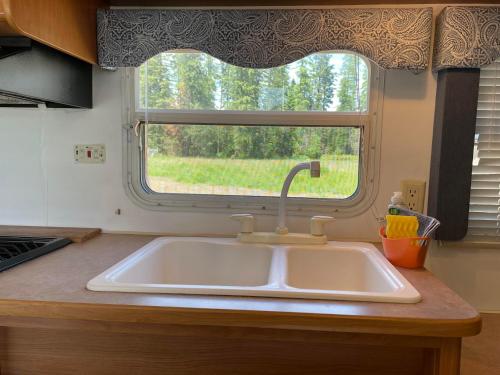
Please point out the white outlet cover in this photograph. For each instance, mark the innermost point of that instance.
(90, 154)
(414, 194)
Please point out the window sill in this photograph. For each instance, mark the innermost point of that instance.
(468, 243)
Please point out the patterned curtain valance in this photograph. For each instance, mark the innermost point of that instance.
(393, 38)
(467, 37)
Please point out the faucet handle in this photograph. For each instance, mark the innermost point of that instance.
(318, 224)
(246, 221)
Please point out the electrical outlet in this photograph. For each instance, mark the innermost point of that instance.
(91, 154)
(414, 194)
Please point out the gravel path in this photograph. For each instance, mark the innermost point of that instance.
(167, 185)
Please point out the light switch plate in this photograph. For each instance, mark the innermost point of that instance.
(90, 154)
(414, 194)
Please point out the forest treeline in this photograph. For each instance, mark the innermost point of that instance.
(197, 81)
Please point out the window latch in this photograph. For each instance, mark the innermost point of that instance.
(136, 127)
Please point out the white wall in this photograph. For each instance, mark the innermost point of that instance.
(44, 186)
(41, 185)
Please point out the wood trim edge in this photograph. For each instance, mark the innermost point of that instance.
(240, 318)
(7, 17)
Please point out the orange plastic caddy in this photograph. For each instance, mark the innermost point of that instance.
(405, 252)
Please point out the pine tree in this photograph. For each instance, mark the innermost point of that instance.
(240, 88)
(353, 93)
(323, 82)
(304, 94)
(159, 95)
(274, 89)
(240, 91)
(353, 88)
(195, 86)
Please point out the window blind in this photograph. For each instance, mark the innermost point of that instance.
(484, 210)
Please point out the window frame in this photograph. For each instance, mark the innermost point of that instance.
(134, 153)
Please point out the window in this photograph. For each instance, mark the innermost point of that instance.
(213, 135)
(484, 211)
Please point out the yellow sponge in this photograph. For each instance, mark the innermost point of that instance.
(399, 226)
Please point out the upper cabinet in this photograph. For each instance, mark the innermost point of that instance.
(66, 25)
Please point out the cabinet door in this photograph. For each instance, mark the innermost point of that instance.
(66, 25)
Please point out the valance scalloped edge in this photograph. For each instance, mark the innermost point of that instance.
(467, 37)
(394, 38)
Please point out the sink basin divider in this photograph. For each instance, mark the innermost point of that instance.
(277, 271)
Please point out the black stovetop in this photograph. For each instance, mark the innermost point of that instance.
(18, 249)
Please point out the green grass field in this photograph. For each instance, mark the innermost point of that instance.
(339, 174)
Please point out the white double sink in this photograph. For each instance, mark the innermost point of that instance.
(336, 271)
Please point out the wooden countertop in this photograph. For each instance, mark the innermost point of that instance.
(74, 234)
(53, 287)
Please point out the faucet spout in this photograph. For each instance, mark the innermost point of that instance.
(314, 167)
